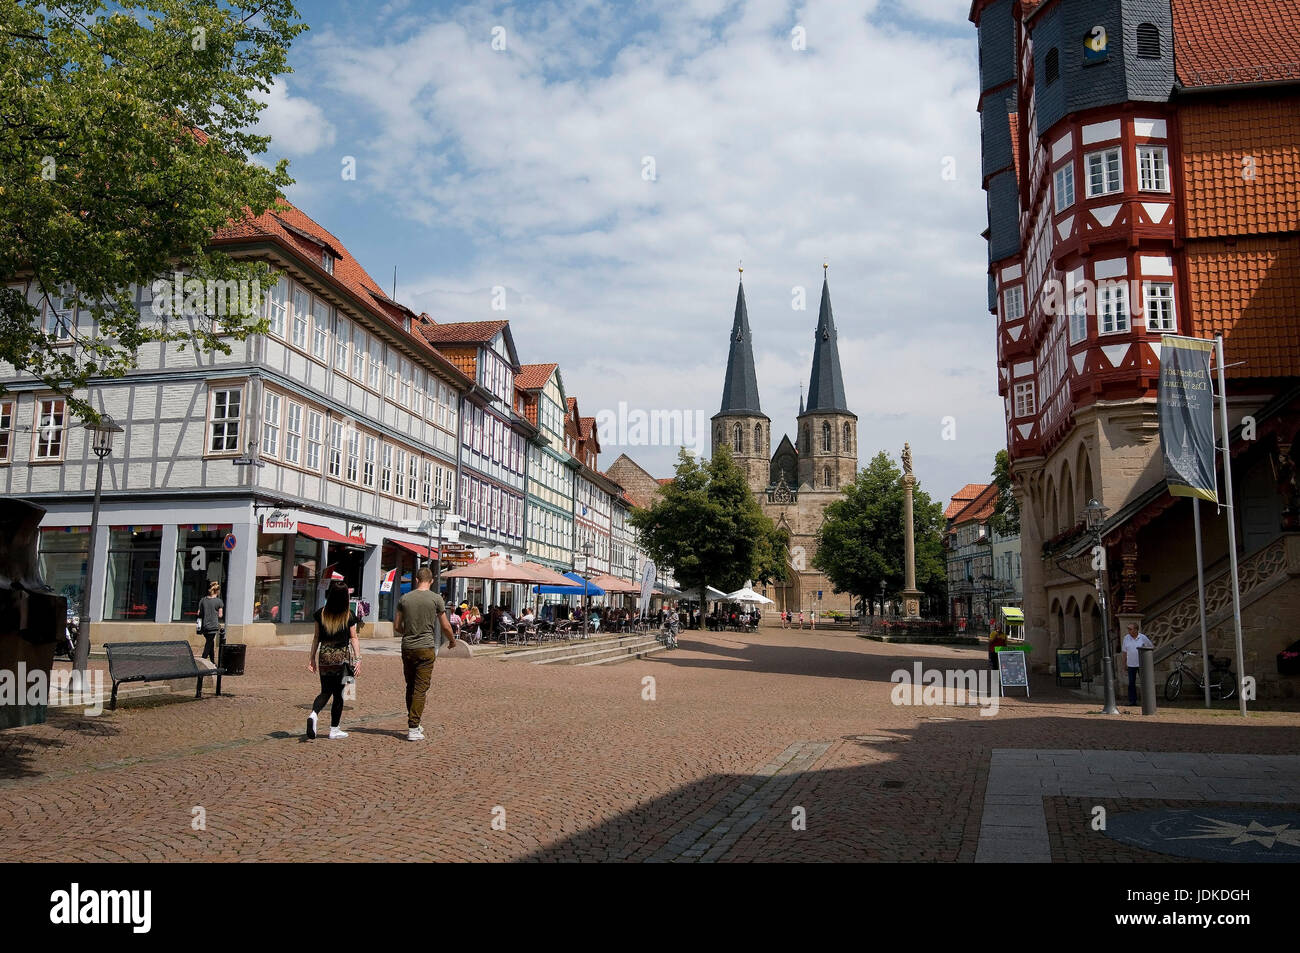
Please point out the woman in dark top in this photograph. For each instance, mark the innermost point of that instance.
(336, 637)
(211, 611)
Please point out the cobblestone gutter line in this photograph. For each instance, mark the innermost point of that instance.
(710, 837)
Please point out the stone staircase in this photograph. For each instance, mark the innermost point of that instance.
(597, 650)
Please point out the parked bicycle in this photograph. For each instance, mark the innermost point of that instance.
(1223, 684)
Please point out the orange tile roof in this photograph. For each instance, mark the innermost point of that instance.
(1233, 42)
(664, 481)
(980, 508)
(963, 497)
(1225, 194)
(534, 376)
(461, 332)
(293, 229)
(588, 425)
(1248, 290)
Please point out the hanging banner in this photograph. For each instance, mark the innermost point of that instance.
(647, 584)
(1186, 408)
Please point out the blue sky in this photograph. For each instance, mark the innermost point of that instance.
(613, 163)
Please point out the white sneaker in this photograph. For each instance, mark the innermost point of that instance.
(338, 733)
(415, 734)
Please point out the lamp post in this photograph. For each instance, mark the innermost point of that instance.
(635, 563)
(100, 433)
(1095, 515)
(882, 600)
(437, 516)
(586, 573)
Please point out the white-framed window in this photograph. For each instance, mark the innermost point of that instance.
(342, 338)
(360, 346)
(276, 305)
(412, 477)
(1112, 307)
(390, 383)
(1158, 298)
(1063, 187)
(375, 364)
(224, 416)
(6, 430)
(271, 425)
(327, 262)
(426, 485)
(1025, 399)
(405, 399)
(368, 467)
(354, 456)
(320, 335)
(51, 423)
(59, 314)
(336, 448)
(1153, 168)
(1104, 172)
(315, 427)
(292, 431)
(301, 318)
(386, 474)
(399, 474)
(1013, 303)
(1079, 320)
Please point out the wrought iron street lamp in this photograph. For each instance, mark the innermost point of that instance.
(100, 433)
(437, 516)
(1094, 515)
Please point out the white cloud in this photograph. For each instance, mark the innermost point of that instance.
(780, 157)
(296, 125)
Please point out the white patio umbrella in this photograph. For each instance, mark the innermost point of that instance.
(748, 595)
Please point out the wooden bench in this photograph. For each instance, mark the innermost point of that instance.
(154, 662)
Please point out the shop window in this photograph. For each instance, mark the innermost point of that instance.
(305, 583)
(266, 581)
(134, 559)
(63, 554)
(200, 560)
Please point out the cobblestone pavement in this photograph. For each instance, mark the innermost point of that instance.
(780, 745)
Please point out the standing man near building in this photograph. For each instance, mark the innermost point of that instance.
(420, 615)
(1133, 641)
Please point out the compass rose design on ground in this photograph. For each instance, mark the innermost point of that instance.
(1212, 834)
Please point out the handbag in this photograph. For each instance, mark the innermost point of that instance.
(349, 672)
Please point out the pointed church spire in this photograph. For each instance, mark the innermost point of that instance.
(801, 400)
(826, 387)
(740, 386)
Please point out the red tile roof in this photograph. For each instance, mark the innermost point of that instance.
(1234, 42)
(664, 481)
(962, 497)
(979, 509)
(534, 376)
(294, 230)
(1248, 290)
(1225, 194)
(588, 427)
(462, 332)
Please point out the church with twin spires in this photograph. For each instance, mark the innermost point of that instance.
(796, 483)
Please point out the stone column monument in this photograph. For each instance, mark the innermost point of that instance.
(911, 595)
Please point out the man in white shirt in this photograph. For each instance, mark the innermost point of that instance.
(1133, 641)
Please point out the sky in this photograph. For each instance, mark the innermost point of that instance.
(597, 172)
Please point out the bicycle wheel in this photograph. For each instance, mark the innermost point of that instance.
(1174, 686)
(1222, 685)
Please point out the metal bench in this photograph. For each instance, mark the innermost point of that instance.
(154, 662)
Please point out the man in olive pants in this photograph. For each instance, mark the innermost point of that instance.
(420, 614)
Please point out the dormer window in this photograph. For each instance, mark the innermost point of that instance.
(327, 262)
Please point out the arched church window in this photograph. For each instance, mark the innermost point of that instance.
(737, 439)
(826, 437)
(758, 437)
(826, 476)
(848, 439)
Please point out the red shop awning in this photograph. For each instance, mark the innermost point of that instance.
(312, 531)
(424, 552)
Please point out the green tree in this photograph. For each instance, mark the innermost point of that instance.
(1006, 511)
(860, 543)
(125, 142)
(707, 528)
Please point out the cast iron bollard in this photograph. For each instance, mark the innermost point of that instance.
(1147, 672)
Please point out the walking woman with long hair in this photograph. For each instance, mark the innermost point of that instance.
(336, 637)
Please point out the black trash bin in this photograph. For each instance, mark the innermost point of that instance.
(232, 658)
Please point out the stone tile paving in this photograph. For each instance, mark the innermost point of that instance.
(576, 762)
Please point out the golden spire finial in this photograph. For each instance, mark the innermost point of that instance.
(825, 264)
(740, 266)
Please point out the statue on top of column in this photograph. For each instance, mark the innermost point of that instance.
(907, 458)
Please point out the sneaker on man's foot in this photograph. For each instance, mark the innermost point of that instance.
(311, 725)
(415, 734)
(338, 733)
